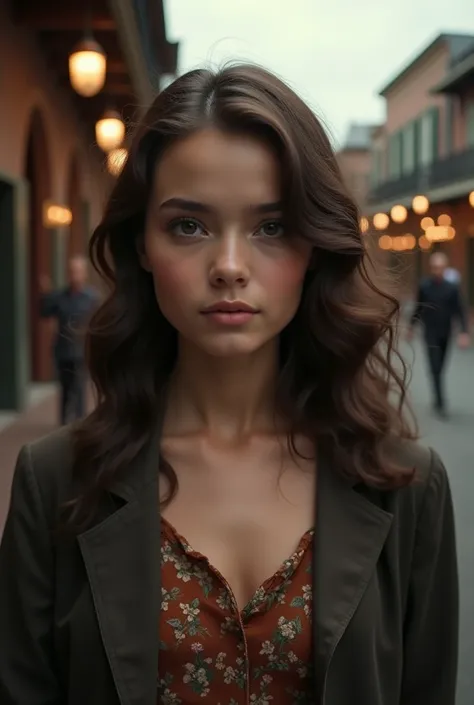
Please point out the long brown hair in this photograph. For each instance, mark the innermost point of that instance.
(338, 370)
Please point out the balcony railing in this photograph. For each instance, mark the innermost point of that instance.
(449, 170)
(394, 188)
(456, 167)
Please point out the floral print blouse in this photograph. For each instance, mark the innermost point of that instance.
(210, 651)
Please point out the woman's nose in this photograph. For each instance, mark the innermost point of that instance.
(230, 265)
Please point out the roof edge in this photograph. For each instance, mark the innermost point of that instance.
(434, 44)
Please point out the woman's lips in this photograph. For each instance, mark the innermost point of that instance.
(230, 318)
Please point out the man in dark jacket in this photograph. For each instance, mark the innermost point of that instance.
(439, 305)
(71, 307)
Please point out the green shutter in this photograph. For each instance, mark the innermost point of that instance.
(401, 140)
(409, 156)
(448, 132)
(416, 144)
(470, 123)
(435, 133)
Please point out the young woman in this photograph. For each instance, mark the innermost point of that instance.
(244, 518)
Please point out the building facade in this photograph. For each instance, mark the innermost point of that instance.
(425, 151)
(49, 155)
(355, 160)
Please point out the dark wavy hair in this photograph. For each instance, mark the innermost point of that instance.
(337, 372)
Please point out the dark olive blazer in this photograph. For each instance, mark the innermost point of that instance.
(79, 619)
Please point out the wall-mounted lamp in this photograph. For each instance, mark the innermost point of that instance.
(55, 215)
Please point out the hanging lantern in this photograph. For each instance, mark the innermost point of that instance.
(116, 158)
(110, 131)
(380, 221)
(87, 68)
(471, 199)
(398, 214)
(420, 205)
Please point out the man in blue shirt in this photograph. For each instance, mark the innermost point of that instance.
(439, 306)
(71, 307)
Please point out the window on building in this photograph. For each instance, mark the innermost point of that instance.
(409, 148)
(470, 123)
(429, 136)
(395, 155)
(448, 125)
(376, 172)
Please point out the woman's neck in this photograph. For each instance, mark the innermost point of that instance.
(228, 398)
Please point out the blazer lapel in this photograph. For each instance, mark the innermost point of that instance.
(350, 534)
(122, 559)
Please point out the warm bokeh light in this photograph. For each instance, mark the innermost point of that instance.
(385, 242)
(427, 223)
(402, 243)
(87, 68)
(364, 225)
(440, 233)
(420, 204)
(110, 131)
(424, 243)
(56, 216)
(471, 198)
(116, 158)
(444, 219)
(380, 221)
(397, 243)
(398, 214)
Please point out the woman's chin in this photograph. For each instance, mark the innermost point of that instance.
(231, 346)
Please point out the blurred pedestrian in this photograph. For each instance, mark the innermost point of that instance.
(439, 305)
(71, 306)
(244, 517)
(452, 275)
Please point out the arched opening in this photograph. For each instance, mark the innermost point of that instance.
(76, 236)
(38, 175)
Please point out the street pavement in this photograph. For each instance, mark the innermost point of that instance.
(453, 439)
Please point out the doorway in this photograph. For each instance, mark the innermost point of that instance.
(13, 349)
(38, 175)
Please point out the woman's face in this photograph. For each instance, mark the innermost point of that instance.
(227, 276)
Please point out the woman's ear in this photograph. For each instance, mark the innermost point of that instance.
(142, 255)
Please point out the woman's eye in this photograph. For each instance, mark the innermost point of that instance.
(186, 227)
(272, 229)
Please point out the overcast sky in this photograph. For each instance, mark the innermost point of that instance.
(336, 54)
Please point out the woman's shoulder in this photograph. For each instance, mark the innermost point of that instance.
(429, 489)
(48, 461)
(416, 456)
(53, 450)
